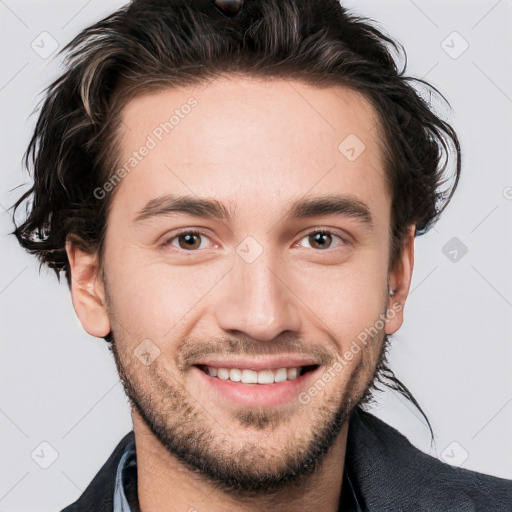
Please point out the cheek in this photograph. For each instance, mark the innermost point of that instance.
(346, 300)
(153, 300)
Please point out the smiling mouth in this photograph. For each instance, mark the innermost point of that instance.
(248, 376)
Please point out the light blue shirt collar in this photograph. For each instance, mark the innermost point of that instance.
(120, 501)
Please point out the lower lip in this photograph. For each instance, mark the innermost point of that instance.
(258, 394)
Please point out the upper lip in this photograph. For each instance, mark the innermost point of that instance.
(268, 363)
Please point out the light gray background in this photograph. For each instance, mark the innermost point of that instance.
(60, 386)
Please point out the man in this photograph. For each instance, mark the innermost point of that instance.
(233, 190)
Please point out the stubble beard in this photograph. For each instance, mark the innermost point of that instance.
(184, 428)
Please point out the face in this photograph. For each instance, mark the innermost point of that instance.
(246, 273)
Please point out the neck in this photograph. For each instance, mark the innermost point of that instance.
(165, 485)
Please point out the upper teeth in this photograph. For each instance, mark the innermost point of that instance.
(254, 377)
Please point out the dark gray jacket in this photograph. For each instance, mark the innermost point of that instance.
(383, 472)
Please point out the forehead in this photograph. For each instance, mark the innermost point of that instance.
(241, 138)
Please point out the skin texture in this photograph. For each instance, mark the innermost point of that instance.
(256, 146)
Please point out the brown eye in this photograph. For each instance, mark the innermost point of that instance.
(322, 240)
(189, 241)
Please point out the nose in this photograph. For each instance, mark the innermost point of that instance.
(257, 301)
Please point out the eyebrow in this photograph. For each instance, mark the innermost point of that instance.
(195, 206)
(348, 206)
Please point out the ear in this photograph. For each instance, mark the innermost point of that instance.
(399, 280)
(87, 289)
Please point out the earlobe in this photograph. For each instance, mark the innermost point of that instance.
(87, 289)
(399, 282)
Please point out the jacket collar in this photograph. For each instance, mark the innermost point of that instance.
(385, 471)
(99, 494)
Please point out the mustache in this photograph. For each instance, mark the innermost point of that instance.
(192, 350)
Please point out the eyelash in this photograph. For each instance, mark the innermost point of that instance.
(181, 233)
(322, 231)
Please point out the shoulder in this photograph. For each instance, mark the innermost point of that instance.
(390, 470)
(98, 495)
